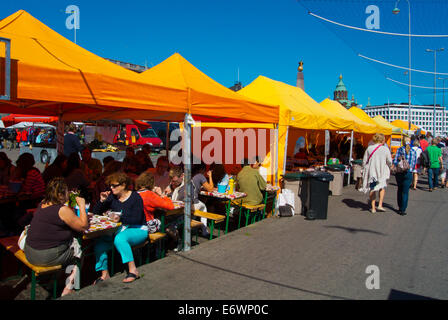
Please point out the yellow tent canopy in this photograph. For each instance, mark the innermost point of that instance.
(358, 125)
(364, 117)
(297, 109)
(207, 97)
(381, 121)
(405, 125)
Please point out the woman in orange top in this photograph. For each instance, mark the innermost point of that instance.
(151, 199)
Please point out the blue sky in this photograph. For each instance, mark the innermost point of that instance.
(263, 37)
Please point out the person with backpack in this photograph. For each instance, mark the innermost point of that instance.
(404, 165)
(435, 164)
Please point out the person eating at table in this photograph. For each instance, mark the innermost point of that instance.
(153, 198)
(50, 237)
(134, 230)
(161, 173)
(250, 182)
(56, 169)
(7, 169)
(92, 167)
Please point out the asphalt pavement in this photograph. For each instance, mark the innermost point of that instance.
(293, 258)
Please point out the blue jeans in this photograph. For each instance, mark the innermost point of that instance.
(433, 177)
(404, 180)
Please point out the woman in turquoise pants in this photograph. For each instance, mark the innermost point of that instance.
(126, 205)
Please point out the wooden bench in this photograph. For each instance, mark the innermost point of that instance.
(212, 217)
(250, 209)
(10, 244)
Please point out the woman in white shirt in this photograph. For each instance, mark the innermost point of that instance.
(415, 172)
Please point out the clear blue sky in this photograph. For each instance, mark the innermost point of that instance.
(262, 37)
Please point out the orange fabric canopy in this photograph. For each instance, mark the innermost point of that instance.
(12, 119)
(51, 75)
(206, 96)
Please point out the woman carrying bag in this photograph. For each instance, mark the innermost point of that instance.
(404, 165)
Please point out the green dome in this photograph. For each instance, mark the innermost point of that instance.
(341, 85)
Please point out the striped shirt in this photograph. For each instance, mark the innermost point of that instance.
(34, 183)
(411, 157)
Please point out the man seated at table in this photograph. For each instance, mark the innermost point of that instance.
(161, 173)
(91, 167)
(251, 182)
(176, 190)
(302, 158)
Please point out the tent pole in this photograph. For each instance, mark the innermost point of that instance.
(285, 157)
(276, 155)
(187, 180)
(167, 138)
(60, 132)
(350, 157)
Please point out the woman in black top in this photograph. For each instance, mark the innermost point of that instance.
(54, 225)
(129, 205)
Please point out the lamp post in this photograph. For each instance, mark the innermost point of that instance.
(397, 11)
(443, 104)
(435, 84)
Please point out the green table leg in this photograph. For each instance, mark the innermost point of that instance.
(212, 226)
(228, 215)
(33, 285)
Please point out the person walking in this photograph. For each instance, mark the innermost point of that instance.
(443, 171)
(376, 165)
(71, 141)
(435, 164)
(403, 174)
(418, 150)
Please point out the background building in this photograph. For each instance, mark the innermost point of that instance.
(421, 115)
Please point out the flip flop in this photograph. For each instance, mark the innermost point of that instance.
(131, 275)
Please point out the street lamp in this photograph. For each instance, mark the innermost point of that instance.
(397, 11)
(443, 104)
(435, 83)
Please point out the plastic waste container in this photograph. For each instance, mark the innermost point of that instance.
(337, 185)
(293, 182)
(315, 191)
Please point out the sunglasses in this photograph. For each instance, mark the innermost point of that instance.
(115, 185)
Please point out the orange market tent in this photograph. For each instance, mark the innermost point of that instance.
(204, 92)
(358, 125)
(51, 75)
(365, 117)
(11, 119)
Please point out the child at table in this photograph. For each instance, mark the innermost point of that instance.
(152, 198)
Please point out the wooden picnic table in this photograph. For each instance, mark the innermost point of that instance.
(225, 197)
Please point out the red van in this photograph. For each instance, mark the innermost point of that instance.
(134, 137)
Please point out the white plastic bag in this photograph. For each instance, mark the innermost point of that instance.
(286, 199)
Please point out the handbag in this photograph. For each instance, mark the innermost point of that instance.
(22, 238)
(403, 165)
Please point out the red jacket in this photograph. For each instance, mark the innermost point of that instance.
(18, 136)
(151, 201)
(424, 144)
(24, 135)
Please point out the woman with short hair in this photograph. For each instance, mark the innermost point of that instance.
(376, 171)
(134, 231)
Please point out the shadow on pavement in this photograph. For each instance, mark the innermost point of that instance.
(353, 230)
(263, 280)
(401, 295)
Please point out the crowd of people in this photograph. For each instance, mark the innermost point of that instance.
(15, 138)
(132, 189)
(418, 155)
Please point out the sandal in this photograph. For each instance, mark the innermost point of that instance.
(98, 281)
(381, 209)
(372, 211)
(131, 275)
